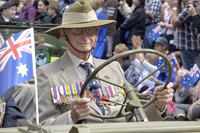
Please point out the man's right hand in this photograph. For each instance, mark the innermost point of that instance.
(137, 42)
(80, 108)
(122, 2)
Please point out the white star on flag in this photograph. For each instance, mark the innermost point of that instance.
(22, 69)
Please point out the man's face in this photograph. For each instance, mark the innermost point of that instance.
(10, 12)
(82, 42)
(25, 2)
(160, 47)
(50, 12)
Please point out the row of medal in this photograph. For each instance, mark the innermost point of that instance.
(66, 93)
(2, 109)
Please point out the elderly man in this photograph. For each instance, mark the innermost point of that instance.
(57, 81)
(8, 11)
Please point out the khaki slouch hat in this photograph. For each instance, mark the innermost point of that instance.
(79, 15)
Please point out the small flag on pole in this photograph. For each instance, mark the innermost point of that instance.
(190, 78)
(155, 33)
(136, 75)
(159, 63)
(172, 59)
(16, 60)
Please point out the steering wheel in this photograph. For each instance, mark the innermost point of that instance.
(133, 105)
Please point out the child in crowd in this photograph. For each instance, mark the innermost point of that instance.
(181, 94)
(146, 65)
(124, 62)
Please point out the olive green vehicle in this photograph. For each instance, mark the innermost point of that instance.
(133, 102)
(50, 47)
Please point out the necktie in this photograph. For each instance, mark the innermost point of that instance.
(93, 84)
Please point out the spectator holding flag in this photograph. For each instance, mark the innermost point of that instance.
(152, 11)
(185, 111)
(181, 95)
(146, 66)
(161, 44)
(135, 23)
(189, 111)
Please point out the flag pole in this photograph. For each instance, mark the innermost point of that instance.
(176, 61)
(35, 76)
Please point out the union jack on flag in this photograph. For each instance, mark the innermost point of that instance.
(154, 33)
(172, 59)
(191, 77)
(17, 60)
(136, 75)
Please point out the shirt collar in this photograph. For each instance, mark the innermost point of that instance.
(6, 20)
(77, 61)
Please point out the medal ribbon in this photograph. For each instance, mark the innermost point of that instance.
(112, 94)
(77, 88)
(104, 92)
(64, 90)
(55, 92)
(109, 93)
(71, 90)
(59, 92)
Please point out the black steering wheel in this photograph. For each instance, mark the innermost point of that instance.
(133, 105)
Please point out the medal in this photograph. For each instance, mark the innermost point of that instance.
(121, 99)
(59, 102)
(76, 96)
(101, 103)
(2, 110)
(65, 100)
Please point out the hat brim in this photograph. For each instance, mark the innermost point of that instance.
(55, 31)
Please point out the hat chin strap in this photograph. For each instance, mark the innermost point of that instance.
(67, 39)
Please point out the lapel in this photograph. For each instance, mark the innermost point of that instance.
(70, 75)
(103, 73)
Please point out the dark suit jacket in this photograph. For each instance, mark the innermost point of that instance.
(13, 20)
(13, 112)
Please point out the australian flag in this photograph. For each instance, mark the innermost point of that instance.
(155, 33)
(159, 63)
(136, 75)
(190, 78)
(172, 59)
(149, 91)
(17, 60)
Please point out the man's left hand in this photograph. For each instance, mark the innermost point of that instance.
(192, 10)
(164, 95)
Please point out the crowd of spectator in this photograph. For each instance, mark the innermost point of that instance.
(180, 23)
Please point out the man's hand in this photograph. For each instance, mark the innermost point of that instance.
(162, 24)
(164, 95)
(190, 109)
(122, 2)
(153, 79)
(137, 42)
(192, 10)
(80, 108)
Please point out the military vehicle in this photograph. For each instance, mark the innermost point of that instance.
(136, 102)
(48, 48)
